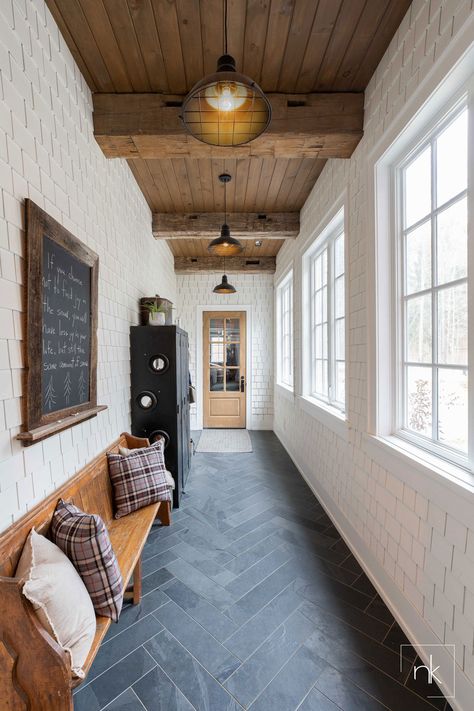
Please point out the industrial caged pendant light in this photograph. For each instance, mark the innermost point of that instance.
(225, 245)
(226, 108)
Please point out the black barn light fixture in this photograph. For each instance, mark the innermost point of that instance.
(224, 287)
(225, 245)
(226, 108)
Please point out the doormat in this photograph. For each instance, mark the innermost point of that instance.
(225, 441)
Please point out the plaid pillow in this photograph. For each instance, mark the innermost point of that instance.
(85, 540)
(138, 479)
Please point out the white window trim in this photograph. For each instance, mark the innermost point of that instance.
(432, 446)
(328, 415)
(439, 90)
(282, 283)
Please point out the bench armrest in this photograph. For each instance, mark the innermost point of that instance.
(35, 671)
(135, 442)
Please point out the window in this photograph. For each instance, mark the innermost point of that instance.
(324, 263)
(432, 300)
(285, 331)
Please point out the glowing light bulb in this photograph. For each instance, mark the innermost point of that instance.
(226, 96)
(226, 99)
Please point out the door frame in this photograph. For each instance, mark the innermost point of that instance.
(199, 359)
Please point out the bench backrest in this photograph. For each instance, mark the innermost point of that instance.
(89, 489)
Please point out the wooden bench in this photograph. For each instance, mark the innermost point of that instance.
(35, 672)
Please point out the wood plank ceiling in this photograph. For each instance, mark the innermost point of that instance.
(287, 46)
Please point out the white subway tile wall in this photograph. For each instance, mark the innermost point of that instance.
(255, 290)
(427, 551)
(48, 153)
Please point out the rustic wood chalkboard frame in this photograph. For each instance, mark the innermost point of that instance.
(38, 226)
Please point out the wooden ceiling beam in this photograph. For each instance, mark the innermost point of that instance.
(254, 265)
(243, 225)
(303, 126)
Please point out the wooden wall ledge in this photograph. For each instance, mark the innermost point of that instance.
(39, 433)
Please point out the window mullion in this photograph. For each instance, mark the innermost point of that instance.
(470, 275)
(434, 296)
(330, 318)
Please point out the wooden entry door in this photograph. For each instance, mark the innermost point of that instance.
(224, 383)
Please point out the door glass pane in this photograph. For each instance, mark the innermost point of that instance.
(418, 259)
(418, 188)
(232, 376)
(216, 356)
(452, 407)
(451, 155)
(419, 329)
(232, 329)
(216, 328)
(216, 379)
(452, 242)
(452, 325)
(233, 354)
(419, 400)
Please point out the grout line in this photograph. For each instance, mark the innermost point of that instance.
(104, 708)
(122, 658)
(261, 610)
(173, 683)
(201, 626)
(126, 629)
(200, 664)
(322, 694)
(136, 695)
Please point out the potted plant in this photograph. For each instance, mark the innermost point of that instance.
(165, 304)
(156, 313)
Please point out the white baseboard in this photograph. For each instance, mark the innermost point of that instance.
(414, 626)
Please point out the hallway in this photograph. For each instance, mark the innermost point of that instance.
(251, 599)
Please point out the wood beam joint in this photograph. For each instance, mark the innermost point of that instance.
(148, 126)
(254, 265)
(243, 225)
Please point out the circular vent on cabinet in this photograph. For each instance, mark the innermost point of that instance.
(159, 363)
(156, 434)
(147, 400)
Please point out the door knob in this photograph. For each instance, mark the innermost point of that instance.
(242, 384)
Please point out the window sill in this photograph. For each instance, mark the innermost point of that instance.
(408, 462)
(286, 391)
(328, 416)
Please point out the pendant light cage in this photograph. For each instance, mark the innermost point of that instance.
(226, 108)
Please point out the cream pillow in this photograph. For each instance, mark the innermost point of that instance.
(59, 597)
(124, 451)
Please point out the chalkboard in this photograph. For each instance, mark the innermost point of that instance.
(61, 334)
(66, 328)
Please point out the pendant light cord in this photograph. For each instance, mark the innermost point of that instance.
(225, 201)
(225, 26)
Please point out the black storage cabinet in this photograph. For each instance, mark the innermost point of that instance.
(160, 394)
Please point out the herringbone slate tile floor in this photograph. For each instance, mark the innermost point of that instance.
(252, 600)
